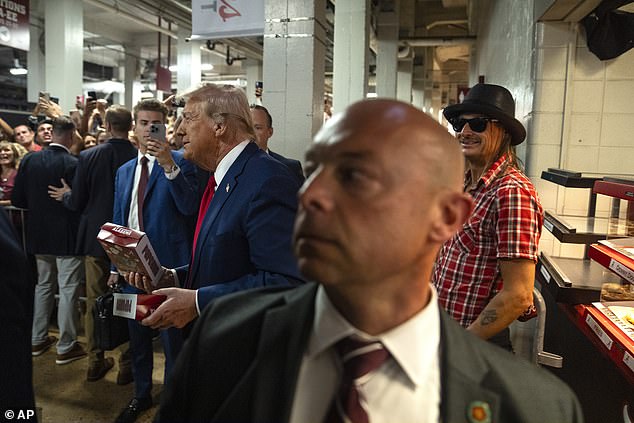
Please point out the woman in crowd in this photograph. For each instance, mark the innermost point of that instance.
(10, 156)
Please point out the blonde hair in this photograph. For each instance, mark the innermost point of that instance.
(18, 151)
(223, 103)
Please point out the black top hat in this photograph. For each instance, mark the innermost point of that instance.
(493, 101)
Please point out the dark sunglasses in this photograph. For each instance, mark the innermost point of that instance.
(478, 124)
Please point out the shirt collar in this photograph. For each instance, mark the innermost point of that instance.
(149, 157)
(227, 161)
(412, 344)
(54, 144)
(491, 174)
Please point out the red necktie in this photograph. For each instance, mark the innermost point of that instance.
(210, 189)
(140, 195)
(358, 358)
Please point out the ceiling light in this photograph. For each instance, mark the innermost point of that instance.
(203, 67)
(18, 69)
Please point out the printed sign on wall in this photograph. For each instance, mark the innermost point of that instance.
(227, 18)
(14, 23)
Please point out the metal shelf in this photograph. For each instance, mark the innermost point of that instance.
(611, 259)
(572, 281)
(620, 188)
(569, 179)
(582, 230)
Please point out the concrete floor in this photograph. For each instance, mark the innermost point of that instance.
(63, 395)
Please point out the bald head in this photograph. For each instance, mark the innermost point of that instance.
(384, 191)
(421, 144)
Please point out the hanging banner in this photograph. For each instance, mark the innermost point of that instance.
(14, 23)
(227, 18)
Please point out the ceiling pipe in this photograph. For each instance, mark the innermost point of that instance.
(132, 18)
(437, 41)
(179, 5)
(447, 22)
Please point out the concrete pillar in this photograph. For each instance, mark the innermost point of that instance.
(418, 94)
(387, 54)
(351, 52)
(293, 71)
(35, 79)
(254, 74)
(188, 61)
(404, 80)
(64, 29)
(132, 53)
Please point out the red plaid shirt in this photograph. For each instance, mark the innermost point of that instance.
(506, 223)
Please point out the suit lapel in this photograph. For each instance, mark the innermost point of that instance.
(285, 332)
(127, 173)
(464, 379)
(226, 189)
(270, 387)
(156, 173)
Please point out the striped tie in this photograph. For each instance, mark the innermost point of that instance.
(358, 358)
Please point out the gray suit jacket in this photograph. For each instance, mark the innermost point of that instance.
(242, 360)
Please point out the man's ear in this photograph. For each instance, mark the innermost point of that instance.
(219, 128)
(454, 209)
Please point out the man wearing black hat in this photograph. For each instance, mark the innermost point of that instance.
(485, 273)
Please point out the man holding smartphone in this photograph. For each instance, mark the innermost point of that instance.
(157, 192)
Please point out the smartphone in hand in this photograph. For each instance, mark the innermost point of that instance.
(157, 132)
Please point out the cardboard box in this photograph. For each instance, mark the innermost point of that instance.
(136, 306)
(130, 251)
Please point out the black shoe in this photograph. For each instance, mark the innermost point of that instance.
(134, 409)
(124, 376)
(99, 369)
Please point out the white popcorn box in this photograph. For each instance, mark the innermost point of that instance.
(130, 251)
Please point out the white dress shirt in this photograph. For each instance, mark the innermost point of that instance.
(406, 388)
(219, 174)
(133, 216)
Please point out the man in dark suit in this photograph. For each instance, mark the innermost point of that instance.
(166, 212)
(51, 233)
(369, 343)
(93, 196)
(263, 125)
(243, 234)
(16, 302)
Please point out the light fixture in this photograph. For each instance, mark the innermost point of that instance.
(203, 67)
(18, 69)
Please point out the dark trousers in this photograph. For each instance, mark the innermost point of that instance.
(502, 339)
(143, 352)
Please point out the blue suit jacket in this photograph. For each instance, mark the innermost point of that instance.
(169, 210)
(245, 238)
(294, 165)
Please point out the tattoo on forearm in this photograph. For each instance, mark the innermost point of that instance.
(488, 317)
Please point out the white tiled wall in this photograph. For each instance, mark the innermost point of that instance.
(582, 111)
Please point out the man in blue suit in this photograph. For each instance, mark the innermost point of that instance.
(263, 125)
(245, 221)
(165, 211)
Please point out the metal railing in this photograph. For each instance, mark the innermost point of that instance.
(18, 213)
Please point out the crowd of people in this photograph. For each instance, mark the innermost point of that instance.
(378, 285)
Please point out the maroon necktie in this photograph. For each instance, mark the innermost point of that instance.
(210, 189)
(358, 359)
(140, 195)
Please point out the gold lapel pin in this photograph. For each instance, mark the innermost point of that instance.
(479, 412)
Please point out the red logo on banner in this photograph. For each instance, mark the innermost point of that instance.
(227, 11)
